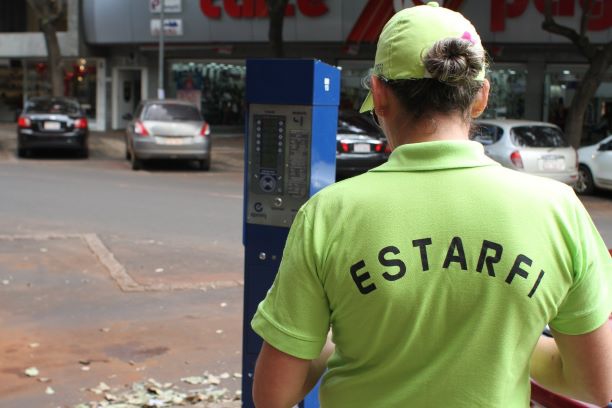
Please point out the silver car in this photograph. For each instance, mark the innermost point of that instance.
(595, 167)
(537, 148)
(167, 129)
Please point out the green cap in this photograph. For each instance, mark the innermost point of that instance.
(407, 37)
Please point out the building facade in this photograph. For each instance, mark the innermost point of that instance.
(23, 65)
(112, 52)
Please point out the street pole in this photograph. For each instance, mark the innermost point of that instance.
(160, 78)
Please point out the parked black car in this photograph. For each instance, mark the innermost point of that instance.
(360, 145)
(52, 123)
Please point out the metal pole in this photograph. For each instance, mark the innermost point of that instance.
(160, 78)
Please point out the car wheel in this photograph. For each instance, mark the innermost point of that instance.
(128, 155)
(84, 153)
(136, 162)
(585, 184)
(204, 164)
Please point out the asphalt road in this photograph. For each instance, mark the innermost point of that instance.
(115, 276)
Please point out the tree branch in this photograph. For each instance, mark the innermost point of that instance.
(608, 51)
(582, 42)
(59, 8)
(34, 6)
(43, 10)
(584, 20)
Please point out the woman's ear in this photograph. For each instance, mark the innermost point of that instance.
(482, 98)
(379, 95)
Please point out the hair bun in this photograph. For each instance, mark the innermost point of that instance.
(454, 61)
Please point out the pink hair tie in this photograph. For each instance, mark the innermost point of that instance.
(467, 36)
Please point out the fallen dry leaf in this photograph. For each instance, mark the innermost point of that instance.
(31, 372)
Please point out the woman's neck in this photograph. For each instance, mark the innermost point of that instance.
(429, 129)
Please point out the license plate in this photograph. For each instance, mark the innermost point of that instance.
(52, 125)
(555, 164)
(361, 148)
(172, 140)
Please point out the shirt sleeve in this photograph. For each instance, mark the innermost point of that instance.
(588, 303)
(294, 317)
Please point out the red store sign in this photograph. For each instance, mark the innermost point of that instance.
(503, 10)
(258, 8)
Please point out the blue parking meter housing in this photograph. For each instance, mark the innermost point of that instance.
(290, 154)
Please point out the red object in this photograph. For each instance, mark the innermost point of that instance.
(80, 123)
(378, 148)
(516, 159)
(345, 147)
(209, 9)
(140, 129)
(41, 67)
(204, 132)
(371, 21)
(550, 400)
(24, 122)
(312, 8)
(500, 10)
(257, 8)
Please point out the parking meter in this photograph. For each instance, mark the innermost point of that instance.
(290, 154)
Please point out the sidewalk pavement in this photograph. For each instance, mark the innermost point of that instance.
(74, 333)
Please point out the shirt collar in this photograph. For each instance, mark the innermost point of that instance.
(438, 155)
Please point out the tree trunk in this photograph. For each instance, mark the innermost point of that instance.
(48, 11)
(54, 58)
(585, 91)
(276, 9)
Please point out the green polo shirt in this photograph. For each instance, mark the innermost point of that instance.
(436, 272)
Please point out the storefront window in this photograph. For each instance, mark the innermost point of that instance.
(508, 89)
(217, 88)
(79, 82)
(562, 82)
(11, 89)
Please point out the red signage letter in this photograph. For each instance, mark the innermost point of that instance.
(312, 8)
(449, 4)
(500, 10)
(289, 10)
(261, 9)
(209, 9)
(232, 9)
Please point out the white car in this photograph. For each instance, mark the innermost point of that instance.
(595, 168)
(537, 148)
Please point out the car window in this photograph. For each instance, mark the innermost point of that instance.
(171, 112)
(486, 134)
(538, 136)
(605, 146)
(59, 106)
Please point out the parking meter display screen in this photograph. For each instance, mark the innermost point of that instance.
(269, 131)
